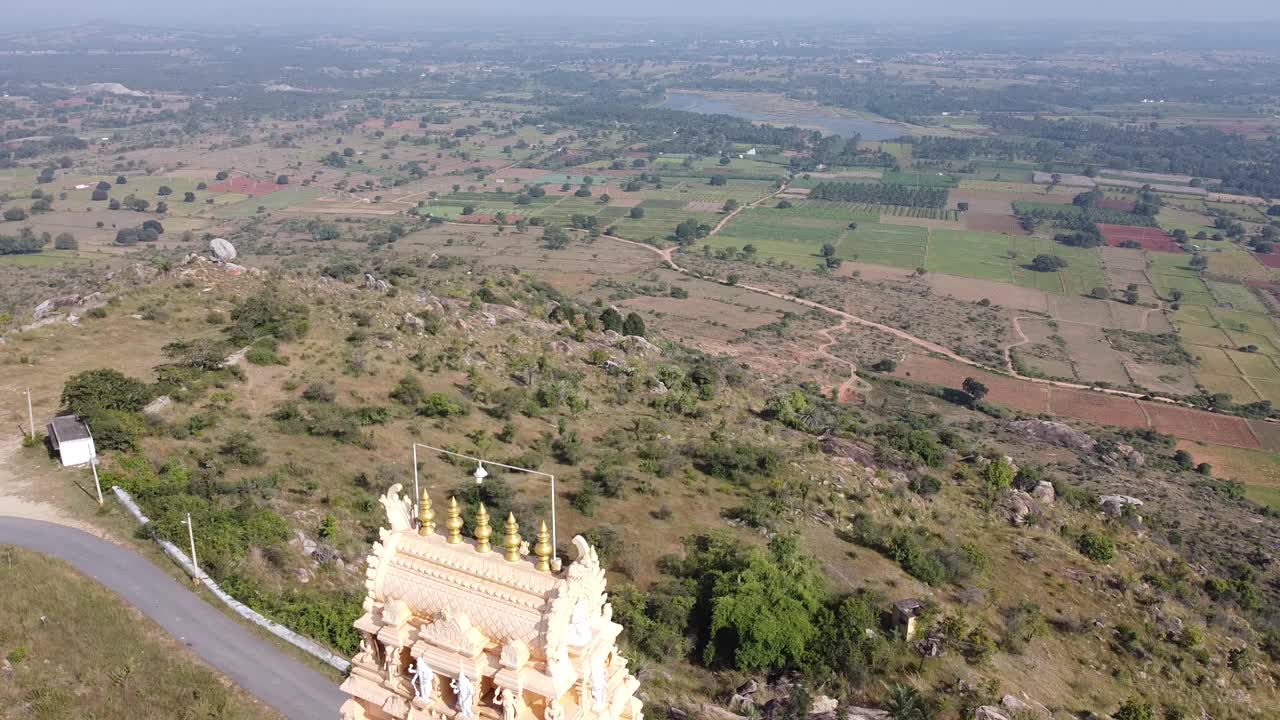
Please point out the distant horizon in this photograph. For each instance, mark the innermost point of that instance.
(725, 13)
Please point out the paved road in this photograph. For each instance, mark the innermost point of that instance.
(271, 675)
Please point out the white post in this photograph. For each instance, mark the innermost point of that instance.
(31, 417)
(93, 463)
(417, 494)
(191, 534)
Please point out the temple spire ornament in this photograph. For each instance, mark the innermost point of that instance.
(426, 516)
(483, 531)
(453, 522)
(511, 541)
(543, 549)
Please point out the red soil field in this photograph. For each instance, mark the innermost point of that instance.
(1203, 426)
(1149, 238)
(1094, 407)
(244, 186)
(993, 223)
(1271, 260)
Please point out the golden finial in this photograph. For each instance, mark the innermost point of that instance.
(483, 531)
(511, 541)
(453, 523)
(543, 549)
(426, 516)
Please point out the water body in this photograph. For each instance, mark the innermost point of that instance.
(827, 122)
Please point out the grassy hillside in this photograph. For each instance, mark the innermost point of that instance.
(750, 528)
(73, 649)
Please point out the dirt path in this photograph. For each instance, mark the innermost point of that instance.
(1008, 349)
(666, 256)
(725, 220)
(19, 499)
(845, 393)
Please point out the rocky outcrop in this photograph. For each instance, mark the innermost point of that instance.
(1020, 506)
(1114, 505)
(1043, 492)
(222, 250)
(1062, 435)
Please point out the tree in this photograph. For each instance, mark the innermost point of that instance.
(98, 195)
(66, 241)
(468, 209)
(975, 389)
(1047, 263)
(188, 197)
(730, 205)
(763, 613)
(717, 180)
(1131, 294)
(164, 190)
(162, 207)
(962, 206)
(1199, 262)
(222, 175)
(121, 180)
(102, 185)
(15, 214)
(636, 213)
(999, 474)
(104, 389)
(611, 319)
(633, 325)
(828, 250)
(554, 238)
(282, 179)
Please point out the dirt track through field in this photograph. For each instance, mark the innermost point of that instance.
(1090, 401)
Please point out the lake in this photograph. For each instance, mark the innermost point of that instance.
(826, 121)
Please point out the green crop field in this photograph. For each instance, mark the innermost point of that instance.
(1238, 297)
(971, 254)
(770, 224)
(894, 245)
(659, 223)
(921, 179)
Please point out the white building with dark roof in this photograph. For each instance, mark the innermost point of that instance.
(72, 440)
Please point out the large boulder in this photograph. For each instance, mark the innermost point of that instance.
(1114, 505)
(222, 250)
(1044, 492)
(823, 705)
(865, 713)
(1056, 433)
(990, 712)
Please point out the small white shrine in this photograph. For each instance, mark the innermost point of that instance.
(457, 629)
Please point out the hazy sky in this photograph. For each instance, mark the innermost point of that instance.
(337, 11)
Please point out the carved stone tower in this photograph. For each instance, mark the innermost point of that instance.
(455, 630)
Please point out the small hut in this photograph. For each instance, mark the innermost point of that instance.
(71, 439)
(905, 614)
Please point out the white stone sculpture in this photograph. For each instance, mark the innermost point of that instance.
(424, 681)
(580, 625)
(466, 695)
(598, 686)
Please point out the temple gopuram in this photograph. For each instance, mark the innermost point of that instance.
(455, 628)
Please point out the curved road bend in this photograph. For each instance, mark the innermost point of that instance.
(275, 678)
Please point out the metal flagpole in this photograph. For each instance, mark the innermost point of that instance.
(417, 494)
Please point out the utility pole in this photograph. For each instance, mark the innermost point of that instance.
(31, 417)
(191, 534)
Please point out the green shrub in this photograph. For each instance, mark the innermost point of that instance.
(104, 389)
(1096, 546)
